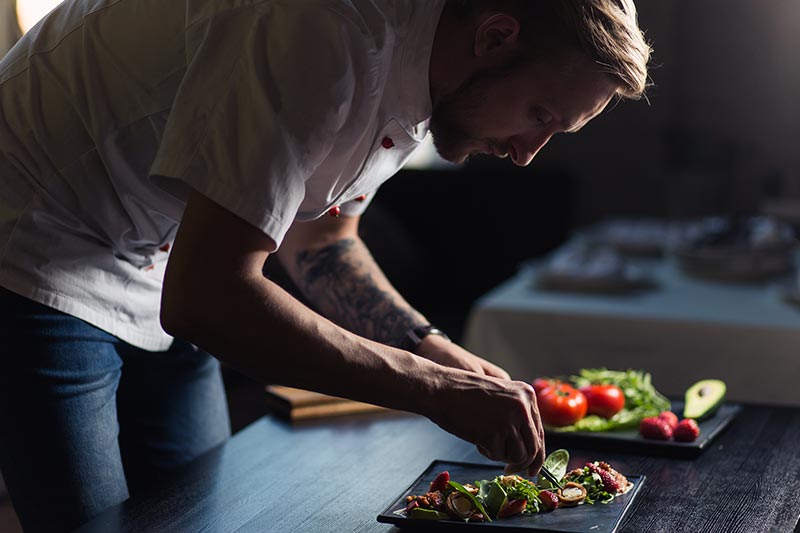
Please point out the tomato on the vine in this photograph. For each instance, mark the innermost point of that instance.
(604, 400)
(561, 404)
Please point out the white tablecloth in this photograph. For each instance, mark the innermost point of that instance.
(686, 330)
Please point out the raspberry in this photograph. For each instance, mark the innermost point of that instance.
(671, 418)
(687, 430)
(655, 428)
(549, 499)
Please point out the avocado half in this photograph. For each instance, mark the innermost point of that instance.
(703, 398)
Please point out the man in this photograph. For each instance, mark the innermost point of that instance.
(163, 151)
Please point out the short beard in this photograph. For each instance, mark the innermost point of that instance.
(453, 136)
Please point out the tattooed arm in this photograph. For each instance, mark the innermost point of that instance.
(331, 265)
(216, 297)
(339, 277)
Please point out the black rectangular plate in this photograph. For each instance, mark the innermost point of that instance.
(597, 518)
(629, 441)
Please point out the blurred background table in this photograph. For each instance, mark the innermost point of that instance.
(685, 330)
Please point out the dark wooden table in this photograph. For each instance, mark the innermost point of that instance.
(337, 475)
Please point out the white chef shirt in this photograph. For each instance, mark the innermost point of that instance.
(112, 110)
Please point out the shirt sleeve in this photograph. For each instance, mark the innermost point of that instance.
(267, 90)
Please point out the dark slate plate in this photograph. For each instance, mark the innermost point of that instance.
(597, 518)
(629, 441)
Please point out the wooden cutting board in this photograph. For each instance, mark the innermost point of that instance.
(298, 404)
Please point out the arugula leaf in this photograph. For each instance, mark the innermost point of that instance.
(521, 489)
(641, 399)
(593, 483)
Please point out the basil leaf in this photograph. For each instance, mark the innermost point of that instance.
(556, 463)
(478, 505)
(493, 495)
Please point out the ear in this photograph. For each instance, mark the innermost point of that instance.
(497, 32)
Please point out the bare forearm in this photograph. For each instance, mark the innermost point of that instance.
(344, 282)
(216, 296)
(263, 331)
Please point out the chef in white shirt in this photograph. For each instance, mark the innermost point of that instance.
(153, 156)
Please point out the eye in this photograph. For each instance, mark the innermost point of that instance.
(541, 116)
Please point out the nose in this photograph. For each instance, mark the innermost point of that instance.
(527, 148)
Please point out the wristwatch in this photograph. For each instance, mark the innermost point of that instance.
(415, 335)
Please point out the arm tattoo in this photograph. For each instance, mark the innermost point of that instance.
(341, 286)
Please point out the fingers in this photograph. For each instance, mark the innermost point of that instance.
(530, 441)
(521, 456)
(530, 434)
(523, 443)
(513, 432)
(518, 455)
(536, 465)
(495, 371)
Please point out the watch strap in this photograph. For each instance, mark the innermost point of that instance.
(414, 336)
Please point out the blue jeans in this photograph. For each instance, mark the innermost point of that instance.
(87, 419)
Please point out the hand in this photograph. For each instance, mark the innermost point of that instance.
(499, 416)
(440, 350)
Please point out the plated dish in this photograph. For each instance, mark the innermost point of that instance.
(621, 410)
(631, 441)
(593, 497)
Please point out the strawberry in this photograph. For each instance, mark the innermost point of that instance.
(606, 473)
(687, 430)
(609, 481)
(671, 418)
(440, 482)
(511, 508)
(549, 499)
(655, 428)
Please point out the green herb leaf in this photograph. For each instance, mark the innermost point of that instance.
(641, 399)
(428, 514)
(492, 495)
(478, 505)
(521, 489)
(556, 463)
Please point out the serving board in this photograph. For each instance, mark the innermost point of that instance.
(597, 518)
(629, 440)
(297, 404)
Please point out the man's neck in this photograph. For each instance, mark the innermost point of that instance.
(451, 57)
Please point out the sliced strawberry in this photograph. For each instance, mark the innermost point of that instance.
(511, 508)
(549, 499)
(440, 482)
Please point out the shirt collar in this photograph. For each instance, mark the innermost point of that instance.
(410, 79)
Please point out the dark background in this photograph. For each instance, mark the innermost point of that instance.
(719, 133)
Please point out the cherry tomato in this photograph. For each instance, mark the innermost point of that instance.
(540, 384)
(561, 404)
(604, 400)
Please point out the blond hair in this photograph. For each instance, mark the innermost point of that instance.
(607, 30)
